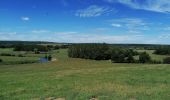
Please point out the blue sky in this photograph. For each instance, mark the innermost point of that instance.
(86, 21)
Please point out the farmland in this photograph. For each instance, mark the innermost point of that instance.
(79, 79)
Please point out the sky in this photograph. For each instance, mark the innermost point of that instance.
(86, 21)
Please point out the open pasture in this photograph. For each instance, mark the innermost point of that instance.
(78, 79)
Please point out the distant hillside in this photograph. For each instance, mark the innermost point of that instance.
(24, 42)
(136, 46)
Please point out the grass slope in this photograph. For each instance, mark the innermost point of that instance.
(77, 79)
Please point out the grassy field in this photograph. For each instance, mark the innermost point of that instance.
(77, 79)
(15, 59)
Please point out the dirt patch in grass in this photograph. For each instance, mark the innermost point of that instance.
(53, 98)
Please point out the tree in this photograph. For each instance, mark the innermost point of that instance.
(144, 57)
(56, 47)
(166, 60)
(162, 50)
(130, 59)
(49, 58)
(89, 51)
(32, 48)
(0, 60)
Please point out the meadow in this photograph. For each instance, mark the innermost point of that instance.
(79, 79)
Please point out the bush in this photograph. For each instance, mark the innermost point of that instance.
(49, 58)
(130, 59)
(117, 56)
(20, 55)
(0, 60)
(6, 54)
(156, 62)
(120, 55)
(166, 60)
(56, 47)
(144, 58)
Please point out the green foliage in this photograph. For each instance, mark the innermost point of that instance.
(89, 51)
(0, 60)
(34, 48)
(155, 62)
(6, 54)
(21, 55)
(56, 47)
(166, 60)
(49, 57)
(163, 50)
(130, 59)
(144, 58)
(120, 55)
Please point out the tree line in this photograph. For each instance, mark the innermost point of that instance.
(34, 48)
(107, 52)
(115, 54)
(162, 50)
(90, 51)
(38, 48)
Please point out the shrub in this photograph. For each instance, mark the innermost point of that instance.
(166, 60)
(0, 60)
(56, 47)
(130, 59)
(144, 58)
(7, 54)
(120, 55)
(117, 56)
(156, 62)
(49, 58)
(20, 55)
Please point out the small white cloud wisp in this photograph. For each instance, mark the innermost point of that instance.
(94, 11)
(25, 18)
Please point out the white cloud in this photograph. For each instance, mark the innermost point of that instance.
(8, 33)
(94, 11)
(75, 37)
(165, 36)
(167, 28)
(65, 33)
(134, 32)
(131, 23)
(162, 6)
(40, 31)
(25, 18)
(116, 25)
(100, 30)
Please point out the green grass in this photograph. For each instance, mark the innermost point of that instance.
(16, 59)
(8, 59)
(78, 79)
